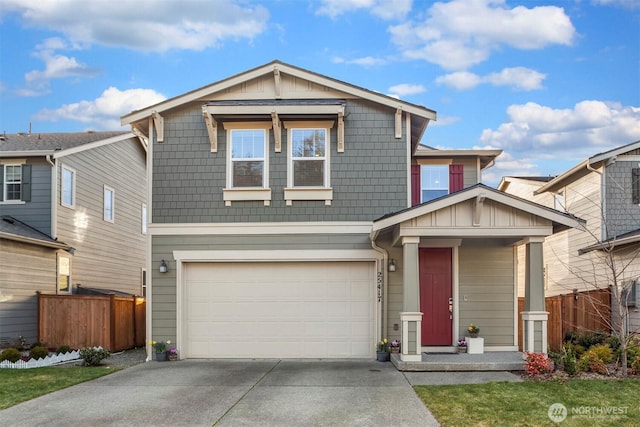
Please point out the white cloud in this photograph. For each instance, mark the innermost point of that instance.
(462, 33)
(519, 78)
(627, 4)
(572, 134)
(445, 121)
(104, 112)
(367, 61)
(145, 25)
(405, 89)
(56, 65)
(384, 9)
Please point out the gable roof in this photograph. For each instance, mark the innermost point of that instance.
(584, 167)
(57, 144)
(486, 157)
(13, 229)
(420, 115)
(615, 242)
(560, 220)
(506, 180)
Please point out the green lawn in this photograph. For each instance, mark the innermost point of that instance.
(19, 385)
(588, 403)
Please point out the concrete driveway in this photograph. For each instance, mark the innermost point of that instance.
(233, 393)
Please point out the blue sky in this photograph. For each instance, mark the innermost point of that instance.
(549, 82)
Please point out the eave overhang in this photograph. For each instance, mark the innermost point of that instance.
(33, 241)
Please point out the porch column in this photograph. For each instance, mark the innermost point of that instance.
(411, 317)
(534, 316)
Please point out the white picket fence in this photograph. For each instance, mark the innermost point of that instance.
(45, 361)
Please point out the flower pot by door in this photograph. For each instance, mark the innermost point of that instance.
(161, 356)
(475, 345)
(383, 356)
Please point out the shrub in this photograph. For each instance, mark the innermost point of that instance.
(569, 361)
(38, 352)
(591, 363)
(93, 356)
(556, 358)
(538, 363)
(11, 354)
(602, 352)
(613, 342)
(576, 349)
(589, 340)
(635, 365)
(63, 349)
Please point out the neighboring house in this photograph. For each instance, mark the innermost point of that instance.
(605, 191)
(283, 224)
(71, 214)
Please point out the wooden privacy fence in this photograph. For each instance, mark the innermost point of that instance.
(587, 311)
(113, 322)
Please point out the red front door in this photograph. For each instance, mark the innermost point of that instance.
(435, 295)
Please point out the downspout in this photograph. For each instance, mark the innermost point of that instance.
(149, 296)
(382, 293)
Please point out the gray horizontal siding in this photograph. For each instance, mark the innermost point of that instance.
(368, 179)
(486, 277)
(37, 212)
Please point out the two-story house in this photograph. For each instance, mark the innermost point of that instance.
(72, 208)
(605, 191)
(296, 215)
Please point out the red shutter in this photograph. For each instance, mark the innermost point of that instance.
(456, 181)
(415, 185)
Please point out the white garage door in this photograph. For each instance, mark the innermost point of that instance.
(279, 310)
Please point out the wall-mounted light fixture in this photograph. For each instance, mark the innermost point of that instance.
(392, 265)
(163, 267)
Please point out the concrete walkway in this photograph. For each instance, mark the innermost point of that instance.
(234, 393)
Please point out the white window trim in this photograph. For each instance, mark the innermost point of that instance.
(73, 187)
(10, 162)
(59, 273)
(231, 194)
(324, 192)
(104, 204)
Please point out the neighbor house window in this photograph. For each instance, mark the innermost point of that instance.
(635, 186)
(144, 218)
(68, 187)
(247, 162)
(434, 182)
(559, 201)
(15, 182)
(309, 145)
(143, 279)
(108, 203)
(64, 274)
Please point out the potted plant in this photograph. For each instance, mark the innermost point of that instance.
(462, 345)
(382, 351)
(172, 354)
(161, 349)
(473, 330)
(395, 346)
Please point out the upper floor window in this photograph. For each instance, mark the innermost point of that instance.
(559, 201)
(68, 187)
(635, 186)
(64, 274)
(309, 157)
(144, 218)
(15, 182)
(108, 203)
(248, 148)
(434, 182)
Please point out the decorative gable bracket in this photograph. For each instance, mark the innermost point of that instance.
(277, 132)
(158, 123)
(212, 129)
(399, 123)
(477, 209)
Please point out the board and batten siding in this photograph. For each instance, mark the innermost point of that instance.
(486, 278)
(164, 285)
(368, 180)
(109, 255)
(18, 286)
(36, 212)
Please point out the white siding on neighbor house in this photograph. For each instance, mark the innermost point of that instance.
(108, 255)
(25, 269)
(486, 290)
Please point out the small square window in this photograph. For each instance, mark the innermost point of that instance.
(434, 182)
(68, 187)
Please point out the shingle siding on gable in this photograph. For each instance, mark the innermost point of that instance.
(368, 179)
(36, 212)
(622, 216)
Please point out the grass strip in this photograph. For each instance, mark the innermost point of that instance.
(19, 385)
(588, 403)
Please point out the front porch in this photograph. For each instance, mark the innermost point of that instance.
(452, 362)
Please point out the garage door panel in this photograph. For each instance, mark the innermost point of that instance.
(318, 309)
